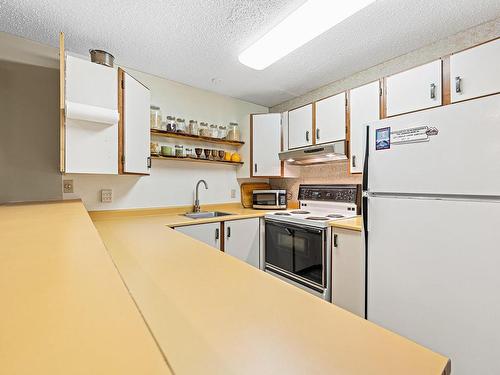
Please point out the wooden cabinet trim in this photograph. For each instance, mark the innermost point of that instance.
(445, 81)
(251, 145)
(62, 104)
(121, 75)
(348, 129)
(383, 98)
(313, 130)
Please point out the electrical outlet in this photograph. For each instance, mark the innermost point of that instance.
(67, 186)
(106, 195)
(233, 193)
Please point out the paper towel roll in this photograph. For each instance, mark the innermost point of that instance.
(78, 111)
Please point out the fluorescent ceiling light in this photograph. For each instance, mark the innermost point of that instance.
(312, 19)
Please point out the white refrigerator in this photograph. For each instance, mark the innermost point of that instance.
(432, 230)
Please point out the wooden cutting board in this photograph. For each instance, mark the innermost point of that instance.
(246, 192)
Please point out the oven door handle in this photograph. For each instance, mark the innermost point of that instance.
(289, 231)
(293, 227)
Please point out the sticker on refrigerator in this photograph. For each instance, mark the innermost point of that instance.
(383, 138)
(413, 135)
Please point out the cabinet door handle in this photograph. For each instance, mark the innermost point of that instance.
(149, 162)
(228, 232)
(307, 135)
(458, 84)
(433, 91)
(335, 240)
(317, 133)
(354, 161)
(255, 168)
(217, 234)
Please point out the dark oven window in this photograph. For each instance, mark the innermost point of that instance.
(296, 250)
(267, 199)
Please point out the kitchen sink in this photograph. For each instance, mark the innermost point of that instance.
(205, 214)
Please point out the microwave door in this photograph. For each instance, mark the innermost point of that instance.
(264, 199)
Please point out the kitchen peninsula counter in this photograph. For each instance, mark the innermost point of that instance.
(213, 314)
(65, 309)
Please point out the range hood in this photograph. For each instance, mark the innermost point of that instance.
(317, 154)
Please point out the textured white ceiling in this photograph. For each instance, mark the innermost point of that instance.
(195, 41)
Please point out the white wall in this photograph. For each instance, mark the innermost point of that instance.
(29, 132)
(172, 183)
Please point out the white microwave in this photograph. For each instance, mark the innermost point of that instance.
(269, 199)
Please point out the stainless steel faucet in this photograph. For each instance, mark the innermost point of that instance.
(196, 207)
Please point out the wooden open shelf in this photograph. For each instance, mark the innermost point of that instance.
(163, 133)
(196, 160)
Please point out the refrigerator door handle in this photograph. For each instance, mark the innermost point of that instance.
(364, 208)
(365, 166)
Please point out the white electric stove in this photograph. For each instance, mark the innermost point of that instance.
(298, 243)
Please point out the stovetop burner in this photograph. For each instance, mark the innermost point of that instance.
(335, 216)
(282, 214)
(317, 218)
(300, 212)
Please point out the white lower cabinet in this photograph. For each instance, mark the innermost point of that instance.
(208, 233)
(242, 240)
(348, 271)
(241, 237)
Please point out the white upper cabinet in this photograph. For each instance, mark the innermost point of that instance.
(91, 118)
(266, 144)
(300, 127)
(330, 119)
(475, 71)
(414, 89)
(364, 104)
(243, 240)
(135, 133)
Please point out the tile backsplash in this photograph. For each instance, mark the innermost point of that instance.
(332, 173)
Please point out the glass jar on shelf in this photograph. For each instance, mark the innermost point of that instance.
(222, 131)
(181, 125)
(179, 151)
(214, 131)
(171, 125)
(189, 152)
(155, 117)
(233, 133)
(203, 129)
(193, 127)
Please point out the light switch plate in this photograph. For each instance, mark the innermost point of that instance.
(106, 195)
(67, 186)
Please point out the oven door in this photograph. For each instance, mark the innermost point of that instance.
(297, 252)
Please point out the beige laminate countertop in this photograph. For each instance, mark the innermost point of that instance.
(355, 223)
(172, 216)
(65, 309)
(213, 314)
